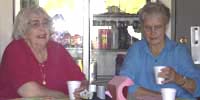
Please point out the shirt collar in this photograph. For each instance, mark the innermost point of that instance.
(169, 45)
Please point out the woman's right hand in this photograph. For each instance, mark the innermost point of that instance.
(84, 85)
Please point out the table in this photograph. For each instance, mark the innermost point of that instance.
(37, 98)
(131, 97)
(50, 98)
(94, 98)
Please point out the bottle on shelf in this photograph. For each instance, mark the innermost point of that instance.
(104, 38)
(93, 71)
(79, 62)
(115, 37)
(124, 37)
(119, 60)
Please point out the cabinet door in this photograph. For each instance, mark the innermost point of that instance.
(186, 15)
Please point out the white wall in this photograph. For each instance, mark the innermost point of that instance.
(6, 20)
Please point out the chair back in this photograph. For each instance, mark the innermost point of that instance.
(117, 87)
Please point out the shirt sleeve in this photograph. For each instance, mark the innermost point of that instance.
(13, 73)
(128, 69)
(187, 68)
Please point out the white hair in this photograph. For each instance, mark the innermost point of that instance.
(23, 18)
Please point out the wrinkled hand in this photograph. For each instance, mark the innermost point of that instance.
(169, 74)
(84, 85)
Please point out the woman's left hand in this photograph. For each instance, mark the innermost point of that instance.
(84, 85)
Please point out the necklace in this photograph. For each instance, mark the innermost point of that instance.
(42, 70)
(40, 57)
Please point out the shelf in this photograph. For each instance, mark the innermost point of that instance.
(103, 79)
(115, 15)
(75, 52)
(74, 48)
(111, 18)
(110, 50)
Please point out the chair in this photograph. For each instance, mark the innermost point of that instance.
(117, 87)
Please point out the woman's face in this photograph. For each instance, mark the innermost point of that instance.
(38, 30)
(154, 27)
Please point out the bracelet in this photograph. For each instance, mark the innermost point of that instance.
(184, 81)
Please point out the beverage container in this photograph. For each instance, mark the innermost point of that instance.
(67, 40)
(72, 85)
(124, 37)
(93, 89)
(101, 92)
(157, 70)
(77, 41)
(73, 41)
(119, 60)
(168, 93)
(93, 71)
(115, 37)
(79, 61)
(105, 38)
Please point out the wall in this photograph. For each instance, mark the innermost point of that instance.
(168, 4)
(6, 20)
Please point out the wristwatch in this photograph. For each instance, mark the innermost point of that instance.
(183, 81)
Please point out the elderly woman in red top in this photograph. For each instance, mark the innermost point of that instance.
(33, 65)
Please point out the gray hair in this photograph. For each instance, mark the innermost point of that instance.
(154, 8)
(21, 24)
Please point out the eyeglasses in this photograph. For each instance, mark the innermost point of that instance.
(38, 23)
(154, 28)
